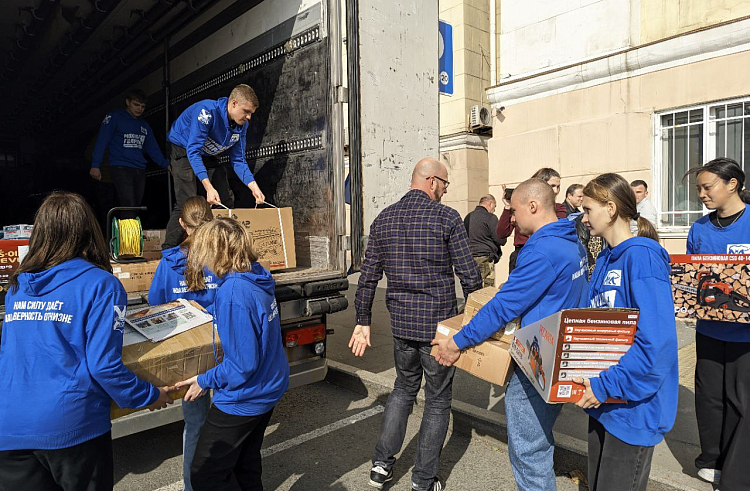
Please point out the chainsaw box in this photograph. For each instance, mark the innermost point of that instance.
(573, 343)
(712, 286)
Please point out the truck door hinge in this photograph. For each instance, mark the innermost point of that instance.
(346, 242)
(342, 94)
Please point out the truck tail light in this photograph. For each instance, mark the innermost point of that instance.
(304, 335)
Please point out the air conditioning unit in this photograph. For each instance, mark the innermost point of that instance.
(479, 118)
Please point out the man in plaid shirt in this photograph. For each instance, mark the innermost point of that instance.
(417, 242)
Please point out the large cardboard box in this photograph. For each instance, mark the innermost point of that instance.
(273, 234)
(712, 286)
(172, 360)
(570, 344)
(479, 299)
(135, 277)
(489, 360)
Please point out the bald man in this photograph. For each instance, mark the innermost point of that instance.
(418, 243)
(550, 276)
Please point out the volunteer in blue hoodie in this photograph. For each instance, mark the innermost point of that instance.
(203, 134)
(127, 136)
(632, 272)
(168, 285)
(722, 372)
(254, 373)
(550, 275)
(61, 357)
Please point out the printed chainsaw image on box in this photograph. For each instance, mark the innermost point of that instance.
(712, 287)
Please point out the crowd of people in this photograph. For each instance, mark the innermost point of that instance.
(61, 351)
(609, 222)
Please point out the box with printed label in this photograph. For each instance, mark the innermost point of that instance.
(574, 343)
(173, 360)
(474, 304)
(152, 241)
(489, 360)
(11, 253)
(712, 286)
(273, 234)
(135, 277)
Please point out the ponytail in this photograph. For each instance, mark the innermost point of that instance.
(745, 195)
(646, 228)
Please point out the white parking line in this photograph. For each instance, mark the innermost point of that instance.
(299, 440)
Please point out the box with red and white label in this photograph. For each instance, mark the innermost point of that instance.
(712, 286)
(573, 343)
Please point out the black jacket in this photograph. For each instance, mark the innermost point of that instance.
(480, 226)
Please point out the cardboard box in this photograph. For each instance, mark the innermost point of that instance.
(479, 299)
(10, 257)
(273, 234)
(712, 286)
(570, 344)
(489, 360)
(135, 277)
(15, 232)
(172, 360)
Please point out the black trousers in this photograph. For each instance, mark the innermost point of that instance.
(130, 184)
(722, 408)
(227, 457)
(615, 465)
(186, 186)
(513, 258)
(87, 466)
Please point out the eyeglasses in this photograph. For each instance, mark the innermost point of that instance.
(447, 183)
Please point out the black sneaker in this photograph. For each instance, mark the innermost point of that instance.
(379, 475)
(437, 485)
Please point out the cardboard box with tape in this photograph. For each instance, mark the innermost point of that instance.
(489, 360)
(574, 343)
(135, 277)
(712, 286)
(474, 304)
(272, 230)
(172, 360)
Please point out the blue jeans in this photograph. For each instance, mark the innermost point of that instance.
(194, 413)
(413, 360)
(531, 445)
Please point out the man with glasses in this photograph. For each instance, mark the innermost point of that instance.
(418, 243)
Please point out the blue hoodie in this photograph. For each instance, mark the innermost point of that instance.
(61, 358)
(126, 137)
(255, 372)
(635, 275)
(169, 282)
(204, 129)
(550, 276)
(707, 238)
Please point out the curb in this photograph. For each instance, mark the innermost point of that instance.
(570, 452)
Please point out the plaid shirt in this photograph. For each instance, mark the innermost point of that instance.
(417, 242)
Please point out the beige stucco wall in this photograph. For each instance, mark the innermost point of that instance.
(660, 19)
(468, 175)
(605, 128)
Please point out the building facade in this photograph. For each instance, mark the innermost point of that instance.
(645, 88)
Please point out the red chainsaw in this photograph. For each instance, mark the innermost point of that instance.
(712, 292)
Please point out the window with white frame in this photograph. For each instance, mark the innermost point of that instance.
(690, 137)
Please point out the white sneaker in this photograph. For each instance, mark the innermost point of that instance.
(710, 475)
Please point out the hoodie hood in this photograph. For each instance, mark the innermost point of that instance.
(262, 278)
(175, 258)
(562, 229)
(648, 248)
(49, 280)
